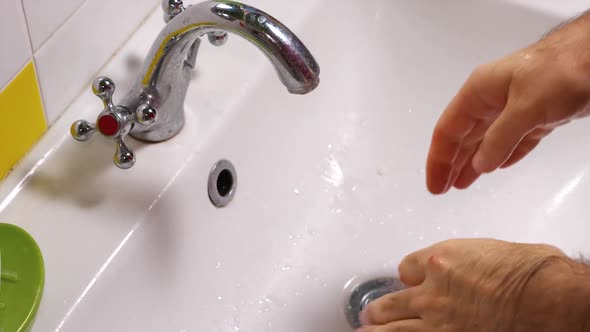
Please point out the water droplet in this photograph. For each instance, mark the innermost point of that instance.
(410, 110)
(353, 189)
(296, 192)
(219, 298)
(261, 19)
(236, 323)
(218, 266)
(421, 238)
(410, 210)
(438, 228)
(286, 267)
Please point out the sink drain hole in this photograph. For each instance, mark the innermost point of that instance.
(222, 183)
(225, 183)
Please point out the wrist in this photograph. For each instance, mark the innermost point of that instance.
(570, 40)
(556, 297)
(570, 281)
(580, 294)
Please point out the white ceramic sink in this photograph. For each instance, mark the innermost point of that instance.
(331, 184)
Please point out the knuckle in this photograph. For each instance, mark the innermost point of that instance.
(481, 71)
(447, 248)
(425, 303)
(523, 72)
(437, 305)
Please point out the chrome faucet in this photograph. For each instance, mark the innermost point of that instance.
(153, 110)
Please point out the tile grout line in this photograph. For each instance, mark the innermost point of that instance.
(107, 61)
(34, 61)
(61, 24)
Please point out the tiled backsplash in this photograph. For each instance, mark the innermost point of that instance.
(51, 50)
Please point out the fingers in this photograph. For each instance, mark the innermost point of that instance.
(389, 308)
(528, 144)
(467, 177)
(504, 135)
(412, 269)
(521, 151)
(443, 151)
(481, 98)
(462, 162)
(410, 325)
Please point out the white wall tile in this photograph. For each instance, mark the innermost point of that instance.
(71, 58)
(44, 17)
(14, 38)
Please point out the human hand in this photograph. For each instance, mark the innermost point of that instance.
(505, 108)
(484, 285)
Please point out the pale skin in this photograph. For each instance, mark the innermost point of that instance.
(502, 112)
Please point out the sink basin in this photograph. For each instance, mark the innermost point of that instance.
(331, 184)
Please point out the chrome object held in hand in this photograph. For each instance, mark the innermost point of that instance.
(163, 82)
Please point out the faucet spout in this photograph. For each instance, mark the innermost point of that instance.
(165, 74)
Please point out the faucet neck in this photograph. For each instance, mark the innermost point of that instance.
(165, 74)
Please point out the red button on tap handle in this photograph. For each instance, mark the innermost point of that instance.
(108, 125)
(114, 122)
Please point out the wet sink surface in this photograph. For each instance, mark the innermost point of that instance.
(331, 185)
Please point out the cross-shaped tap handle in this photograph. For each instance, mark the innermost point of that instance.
(114, 122)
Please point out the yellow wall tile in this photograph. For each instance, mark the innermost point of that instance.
(22, 120)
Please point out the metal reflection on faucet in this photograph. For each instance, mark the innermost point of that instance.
(165, 74)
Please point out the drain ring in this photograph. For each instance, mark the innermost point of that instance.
(222, 183)
(366, 293)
